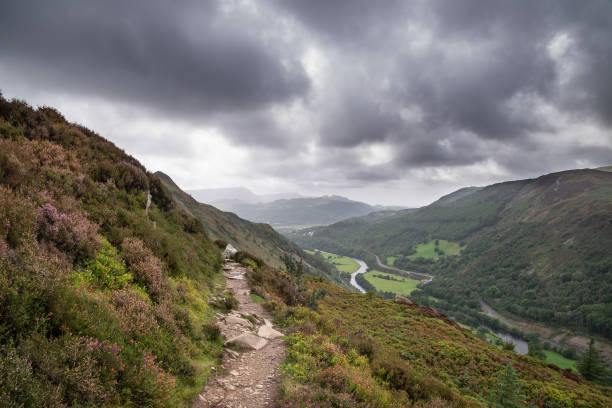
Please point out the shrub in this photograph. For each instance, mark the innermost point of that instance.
(108, 268)
(12, 170)
(211, 331)
(136, 314)
(221, 244)
(150, 272)
(192, 225)
(130, 177)
(72, 233)
(18, 385)
(244, 257)
(363, 345)
(71, 367)
(159, 194)
(401, 376)
(17, 220)
(146, 268)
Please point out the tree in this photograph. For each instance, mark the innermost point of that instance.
(507, 391)
(535, 349)
(591, 365)
(294, 267)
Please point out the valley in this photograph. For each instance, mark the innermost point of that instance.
(305, 204)
(117, 273)
(522, 247)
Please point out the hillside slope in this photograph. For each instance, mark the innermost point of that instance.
(258, 239)
(541, 248)
(359, 350)
(104, 279)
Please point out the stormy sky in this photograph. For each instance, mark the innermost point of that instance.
(391, 101)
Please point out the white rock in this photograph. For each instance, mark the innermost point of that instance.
(237, 320)
(248, 341)
(268, 332)
(229, 251)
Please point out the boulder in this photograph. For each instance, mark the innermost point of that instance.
(403, 301)
(248, 341)
(229, 251)
(237, 320)
(267, 332)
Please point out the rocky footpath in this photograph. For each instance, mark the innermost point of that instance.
(253, 354)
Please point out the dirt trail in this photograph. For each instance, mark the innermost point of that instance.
(249, 377)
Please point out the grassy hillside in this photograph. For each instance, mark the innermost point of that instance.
(358, 350)
(540, 249)
(103, 293)
(258, 239)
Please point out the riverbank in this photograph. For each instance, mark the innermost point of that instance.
(558, 337)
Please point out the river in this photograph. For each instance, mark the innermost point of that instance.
(520, 346)
(363, 268)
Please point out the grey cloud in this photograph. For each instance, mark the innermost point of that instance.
(487, 71)
(355, 119)
(186, 59)
(476, 76)
(349, 21)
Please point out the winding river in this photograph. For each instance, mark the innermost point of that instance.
(363, 268)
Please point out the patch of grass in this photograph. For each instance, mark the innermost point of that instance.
(395, 284)
(560, 361)
(256, 298)
(428, 249)
(391, 260)
(343, 263)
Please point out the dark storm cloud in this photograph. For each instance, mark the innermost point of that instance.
(349, 21)
(486, 70)
(184, 58)
(355, 120)
(313, 84)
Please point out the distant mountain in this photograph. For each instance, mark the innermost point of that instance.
(302, 211)
(258, 239)
(219, 196)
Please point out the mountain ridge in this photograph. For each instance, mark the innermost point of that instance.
(303, 211)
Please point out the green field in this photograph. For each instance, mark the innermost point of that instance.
(342, 263)
(405, 287)
(560, 361)
(391, 260)
(428, 249)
